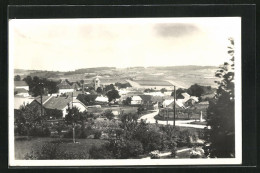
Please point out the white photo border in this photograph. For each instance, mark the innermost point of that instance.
(134, 162)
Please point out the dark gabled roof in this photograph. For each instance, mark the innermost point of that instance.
(64, 85)
(57, 102)
(75, 85)
(20, 83)
(146, 97)
(44, 98)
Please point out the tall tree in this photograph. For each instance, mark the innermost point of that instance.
(220, 115)
(113, 94)
(99, 90)
(109, 87)
(178, 92)
(30, 117)
(195, 90)
(163, 90)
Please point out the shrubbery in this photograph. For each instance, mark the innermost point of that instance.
(100, 153)
(117, 149)
(52, 151)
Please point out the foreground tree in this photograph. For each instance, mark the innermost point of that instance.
(220, 140)
(72, 118)
(29, 117)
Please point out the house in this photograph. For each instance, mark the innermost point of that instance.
(192, 101)
(170, 104)
(21, 92)
(20, 101)
(155, 94)
(147, 101)
(59, 104)
(65, 87)
(20, 85)
(76, 86)
(183, 97)
(74, 94)
(102, 99)
(136, 100)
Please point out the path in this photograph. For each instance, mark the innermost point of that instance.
(183, 123)
(169, 153)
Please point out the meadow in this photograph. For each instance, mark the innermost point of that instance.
(23, 146)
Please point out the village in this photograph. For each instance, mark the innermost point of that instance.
(105, 105)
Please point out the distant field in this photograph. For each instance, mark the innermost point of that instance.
(182, 76)
(153, 83)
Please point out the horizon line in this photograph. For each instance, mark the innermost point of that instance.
(117, 67)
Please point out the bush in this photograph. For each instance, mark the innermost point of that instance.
(97, 134)
(100, 153)
(108, 114)
(52, 151)
(132, 149)
(20, 130)
(40, 131)
(186, 137)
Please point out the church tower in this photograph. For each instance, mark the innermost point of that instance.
(96, 83)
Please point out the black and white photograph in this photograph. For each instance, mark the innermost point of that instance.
(125, 91)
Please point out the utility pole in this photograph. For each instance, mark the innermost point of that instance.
(174, 107)
(167, 115)
(41, 98)
(72, 101)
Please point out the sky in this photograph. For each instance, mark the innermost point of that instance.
(69, 44)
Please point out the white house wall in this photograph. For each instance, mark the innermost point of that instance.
(24, 87)
(62, 91)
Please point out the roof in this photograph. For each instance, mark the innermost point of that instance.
(204, 103)
(101, 99)
(78, 101)
(170, 103)
(146, 97)
(57, 102)
(20, 90)
(20, 83)
(64, 85)
(19, 101)
(136, 98)
(194, 98)
(75, 85)
(44, 98)
(185, 95)
(155, 94)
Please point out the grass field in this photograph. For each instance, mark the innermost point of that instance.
(24, 146)
(153, 82)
